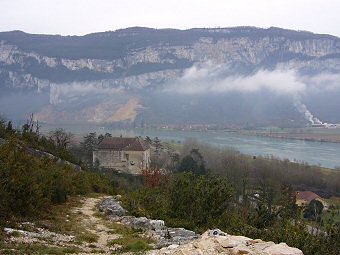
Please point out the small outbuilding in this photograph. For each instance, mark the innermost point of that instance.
(303, 198)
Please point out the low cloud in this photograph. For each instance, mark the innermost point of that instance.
(211, 79)
(323, 81)
(60, 93)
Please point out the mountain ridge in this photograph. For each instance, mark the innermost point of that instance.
(138, 59)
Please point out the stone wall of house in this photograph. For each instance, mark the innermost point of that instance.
(138, 160)
(108, 159)
(128, 161)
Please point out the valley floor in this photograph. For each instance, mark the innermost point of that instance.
(314, 135)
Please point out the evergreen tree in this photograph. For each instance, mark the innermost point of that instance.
(89, 144)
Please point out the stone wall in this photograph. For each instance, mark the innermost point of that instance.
(127, 161)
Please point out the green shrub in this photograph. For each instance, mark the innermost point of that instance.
(30, 185)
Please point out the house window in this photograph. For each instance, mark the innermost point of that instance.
(115, 155)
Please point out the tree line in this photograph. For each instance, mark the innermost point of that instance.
(253, 196)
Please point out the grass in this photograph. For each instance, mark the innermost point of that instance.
(15, 234)
(53, 220)
(328, 216)
(316, 134)
(132, 244)
(61, 219)
(87, 237)
(333, 213)
(17, 249)
(131, 239)
(56, 221)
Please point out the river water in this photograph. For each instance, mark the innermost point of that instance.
(314, 153)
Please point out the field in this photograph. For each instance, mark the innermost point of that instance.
(307, 134)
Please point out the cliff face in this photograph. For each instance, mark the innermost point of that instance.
(138, 57)
(140, 61)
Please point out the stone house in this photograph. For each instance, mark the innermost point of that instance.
(128, 154)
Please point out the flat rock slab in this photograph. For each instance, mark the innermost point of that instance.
(218, 242)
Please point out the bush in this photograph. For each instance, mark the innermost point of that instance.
(187, 200)
(29, 185)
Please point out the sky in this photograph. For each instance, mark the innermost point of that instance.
(79, 17)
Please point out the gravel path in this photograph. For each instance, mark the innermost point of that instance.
(96, 225)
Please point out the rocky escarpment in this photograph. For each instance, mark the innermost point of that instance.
(139, 57)
(185, 242)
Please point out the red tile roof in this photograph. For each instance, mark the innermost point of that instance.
(123, 144)
(306, 195)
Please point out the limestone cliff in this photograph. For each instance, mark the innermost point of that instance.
(137, 57)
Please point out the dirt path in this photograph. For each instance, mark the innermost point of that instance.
(85, 232)
(96, 225)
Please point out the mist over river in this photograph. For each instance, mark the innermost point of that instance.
(314, 153)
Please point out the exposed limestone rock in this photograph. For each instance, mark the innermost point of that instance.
(186, 242)
(111, 206)
(38, 233)
(218, 242)
(155, 229)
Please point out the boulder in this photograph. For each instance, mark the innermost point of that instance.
(282, 249)
(111, 206)
(217, 242)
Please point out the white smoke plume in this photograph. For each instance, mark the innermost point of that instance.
(308, 115)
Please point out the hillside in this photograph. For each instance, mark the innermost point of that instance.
(204, 73)
(86, 230)
(47, 203)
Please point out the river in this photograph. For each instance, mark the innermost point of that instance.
(314, 153)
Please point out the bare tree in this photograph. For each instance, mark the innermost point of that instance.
(31, 126)
(61, 138)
